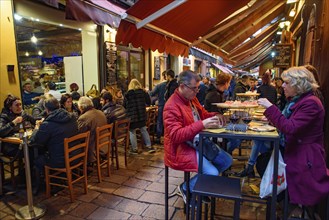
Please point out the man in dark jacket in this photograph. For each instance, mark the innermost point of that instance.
(201, 95)
(160, 91)
(171, 84)
(112, 111)
(242, 86)
(50, 133)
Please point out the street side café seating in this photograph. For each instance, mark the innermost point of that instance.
(75, 153)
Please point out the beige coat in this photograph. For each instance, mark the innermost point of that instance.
(89, 121)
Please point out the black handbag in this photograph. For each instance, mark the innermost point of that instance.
(210, 148)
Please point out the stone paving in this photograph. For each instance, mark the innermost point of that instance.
(135, 192)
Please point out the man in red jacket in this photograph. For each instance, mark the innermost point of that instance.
(184, 118)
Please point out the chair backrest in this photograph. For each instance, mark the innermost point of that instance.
(75, 150)
(151, 117)
(121, 129)
(104, 136)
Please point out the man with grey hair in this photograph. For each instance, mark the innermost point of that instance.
(184, 118)
(89, 120)
(49, 135)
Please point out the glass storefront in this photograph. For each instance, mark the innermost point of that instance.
(42, 51)
(130, 65)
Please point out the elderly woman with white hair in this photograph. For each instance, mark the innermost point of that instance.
(301, 131)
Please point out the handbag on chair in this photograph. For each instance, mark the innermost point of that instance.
(93, 92)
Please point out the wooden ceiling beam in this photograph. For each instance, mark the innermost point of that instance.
(280, 4)
(238, 18)
(267, 38)
(258, 38)
(260, 56)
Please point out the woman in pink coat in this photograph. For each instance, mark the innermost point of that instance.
(301, 130)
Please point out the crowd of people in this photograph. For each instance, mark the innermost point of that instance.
(293, 103)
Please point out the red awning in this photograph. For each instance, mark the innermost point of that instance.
(100, 12)
(176, 29)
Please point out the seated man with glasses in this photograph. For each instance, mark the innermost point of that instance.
(184, 118)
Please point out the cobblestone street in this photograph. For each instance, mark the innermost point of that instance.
(135, 192)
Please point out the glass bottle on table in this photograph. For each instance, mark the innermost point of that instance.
(21, 130)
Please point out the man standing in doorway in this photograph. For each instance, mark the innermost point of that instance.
(160, 91)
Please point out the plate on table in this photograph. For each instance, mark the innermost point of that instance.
(262, 128)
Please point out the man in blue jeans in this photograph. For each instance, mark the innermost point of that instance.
(184, 118)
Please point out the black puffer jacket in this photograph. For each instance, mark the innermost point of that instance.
(135, 102)
(213, 96)
(7, 128)
(114, 112)
(58, 125)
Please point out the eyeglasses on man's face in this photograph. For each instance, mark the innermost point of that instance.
(194, 89)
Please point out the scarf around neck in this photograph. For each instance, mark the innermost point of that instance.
(287, 113)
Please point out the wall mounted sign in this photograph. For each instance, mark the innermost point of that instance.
(283, 54)
(111, 62)
(156, 68)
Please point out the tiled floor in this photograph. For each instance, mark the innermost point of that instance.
(135, 192)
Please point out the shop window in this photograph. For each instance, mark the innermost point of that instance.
(130, 65)
(42, 50)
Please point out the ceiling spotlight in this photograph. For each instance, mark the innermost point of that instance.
(292, 12)
(37, 19)
(27, 54)
(273, 54)
(282, 24)
(80, 29)
(17, 17)
(292, 1)
(34, 39)
(279, 32)
(61, 25)
(40, 53)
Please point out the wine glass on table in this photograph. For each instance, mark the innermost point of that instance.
(246, 118)
(234, 118)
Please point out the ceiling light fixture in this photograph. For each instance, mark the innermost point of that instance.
(292, 13)
(17, 17)
(292, 1)
(27, 54)
(281, 25)
(279, 32)
(40, 53)
(34, 39)
(61, 25)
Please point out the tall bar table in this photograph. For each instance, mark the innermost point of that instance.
(29, 211)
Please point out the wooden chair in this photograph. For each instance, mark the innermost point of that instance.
(121, 138)
(75, 154)
(151, 121)
(103, 139)
(9, 162)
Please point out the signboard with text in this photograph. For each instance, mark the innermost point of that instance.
(283, 54)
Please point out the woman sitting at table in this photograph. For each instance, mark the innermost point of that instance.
(301, 133)
(13, 118)
(67, 103)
